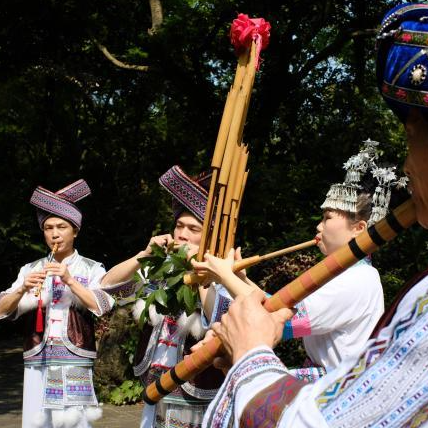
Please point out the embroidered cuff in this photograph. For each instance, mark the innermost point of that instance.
(123, 290)
(264, 410)
(308, 374)
(299, 325)
(104, 302)
(254, 363)
(221, 306)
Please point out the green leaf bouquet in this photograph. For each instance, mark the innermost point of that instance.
(163, 272)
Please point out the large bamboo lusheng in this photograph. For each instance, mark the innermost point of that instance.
(249, 37)
(385, 230)
(219, 150)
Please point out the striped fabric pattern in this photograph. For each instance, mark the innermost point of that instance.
(60, 203)
(190, 194)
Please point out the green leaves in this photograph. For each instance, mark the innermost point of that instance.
(164, 271)
(129, 392)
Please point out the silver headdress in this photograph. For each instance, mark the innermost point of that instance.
(344, 196)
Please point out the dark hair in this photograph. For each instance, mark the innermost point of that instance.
(364, 208)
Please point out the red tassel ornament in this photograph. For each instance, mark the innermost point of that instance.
(39, 319)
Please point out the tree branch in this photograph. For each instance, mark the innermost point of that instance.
(118, 63)
(157, 16)
(340, 41)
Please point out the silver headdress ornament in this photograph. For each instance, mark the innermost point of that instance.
(344, 196)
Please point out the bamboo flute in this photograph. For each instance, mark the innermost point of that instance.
(193, 278)
(369, 241)
(50, 258)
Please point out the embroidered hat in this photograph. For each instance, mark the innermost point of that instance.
(188, 194)
(60, 203)
(344, 196)
(402, 60)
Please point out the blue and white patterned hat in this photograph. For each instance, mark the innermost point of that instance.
(402, 60)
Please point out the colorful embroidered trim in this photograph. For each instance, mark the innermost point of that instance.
(299, 325)
(253, 365)
(57, 354)
(265, 409)
(373, 372)
(308, 374)
(187, 192)
(68, 386)
(404, 95)
(104, 301)
(414, 38)
(397, 14)
(60, 203)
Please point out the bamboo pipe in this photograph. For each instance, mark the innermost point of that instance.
(238, 191)
(369, 241)
(228, 110)
(226, 209)
(219, 149)
(239, 115)
(193, 278)
(216, 226)
(50, 258)
(206, 226)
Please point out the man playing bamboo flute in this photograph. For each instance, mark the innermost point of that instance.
(387, 385)
(166, 338)
(59, 352)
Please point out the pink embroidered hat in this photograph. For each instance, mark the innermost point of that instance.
(60, 203)
(188, 194)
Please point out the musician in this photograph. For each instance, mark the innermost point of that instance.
(336, 320)
(166, 339)
(387, 384)
(58, 353)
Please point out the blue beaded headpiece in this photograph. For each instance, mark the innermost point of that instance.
(402, 60)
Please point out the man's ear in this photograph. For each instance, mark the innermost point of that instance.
(359, 227)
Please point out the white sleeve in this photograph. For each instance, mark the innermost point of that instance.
(104, 301)
(23, 272)
(356, 291)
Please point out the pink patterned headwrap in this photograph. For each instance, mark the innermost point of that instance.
(60, 203)
(188, 194)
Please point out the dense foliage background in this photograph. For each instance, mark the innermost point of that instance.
(68, 109)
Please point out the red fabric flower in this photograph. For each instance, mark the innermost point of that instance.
(244, 30)
(425, 98)
(401, 94)
(406, 38)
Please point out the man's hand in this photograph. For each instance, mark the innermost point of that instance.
(61, 270)
(248, 325)
(161, 240)
(32, 280)
(223, 362)
(192, 249)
